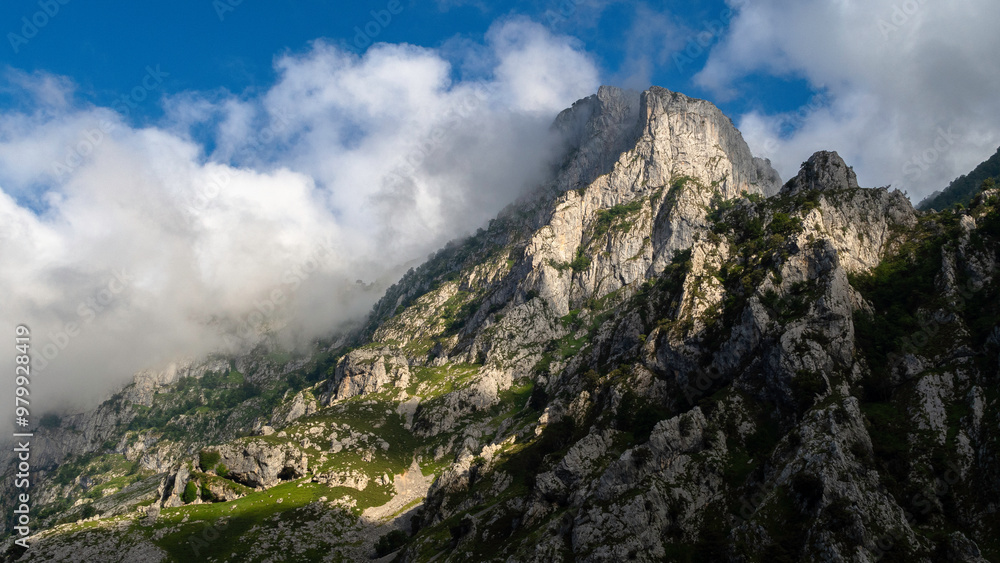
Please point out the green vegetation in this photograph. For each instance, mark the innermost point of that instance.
(525, 462)
(208, 459)
(449, 264)
(897, 289)
(70, 470)
(793, 305)
(808, 201)
(784, 224)
(559, 266)
(759, 250)
(805, 386)
(681, 182)
(720, 207)
(222, 391)
(581, 262)
(180, 530)
(391, 542)
(605, 219)
(457, 310)
(963, 189)
(206, 494)
(597, 353)
(209, 481)
(638, 416)
(435, 381)
(190, 492)
(671, 280)
(888, 427)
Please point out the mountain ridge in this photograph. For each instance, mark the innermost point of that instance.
(963, 189)
(646, 359)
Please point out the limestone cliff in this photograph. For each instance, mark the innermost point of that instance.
(659, 355)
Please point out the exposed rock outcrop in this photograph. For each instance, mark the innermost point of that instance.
(645, 359)
(256, 462)
(823, 171)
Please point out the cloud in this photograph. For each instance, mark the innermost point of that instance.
(651, 40)
(125, 247)
(907, 87)
(38, 88)
(536, 74)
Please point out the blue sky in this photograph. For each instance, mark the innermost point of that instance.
(206, 45)
(195, 163)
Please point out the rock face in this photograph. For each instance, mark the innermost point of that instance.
(690, 137)
(598, 130)
(302, 404)
(823, 171)
(646, 359)
(631, 220)
(173, 487)
(367, 371)
(259, 463)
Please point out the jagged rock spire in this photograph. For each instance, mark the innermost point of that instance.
(824, 170)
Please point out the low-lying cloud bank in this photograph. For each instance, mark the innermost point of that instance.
(124, 247)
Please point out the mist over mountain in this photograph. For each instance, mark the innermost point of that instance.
(138, 246)
(657, 351)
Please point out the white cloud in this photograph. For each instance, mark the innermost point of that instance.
(910, 84)
(48, 90)
(537, 71)
(347, 168)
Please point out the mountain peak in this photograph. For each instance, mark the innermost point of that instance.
(825, 170)
(597, 130)
(641, 365)
(697, 139)
(670, 134)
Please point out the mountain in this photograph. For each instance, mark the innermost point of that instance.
(662, 354)
(964, 188)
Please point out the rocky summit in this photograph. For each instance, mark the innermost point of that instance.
(661, 354)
